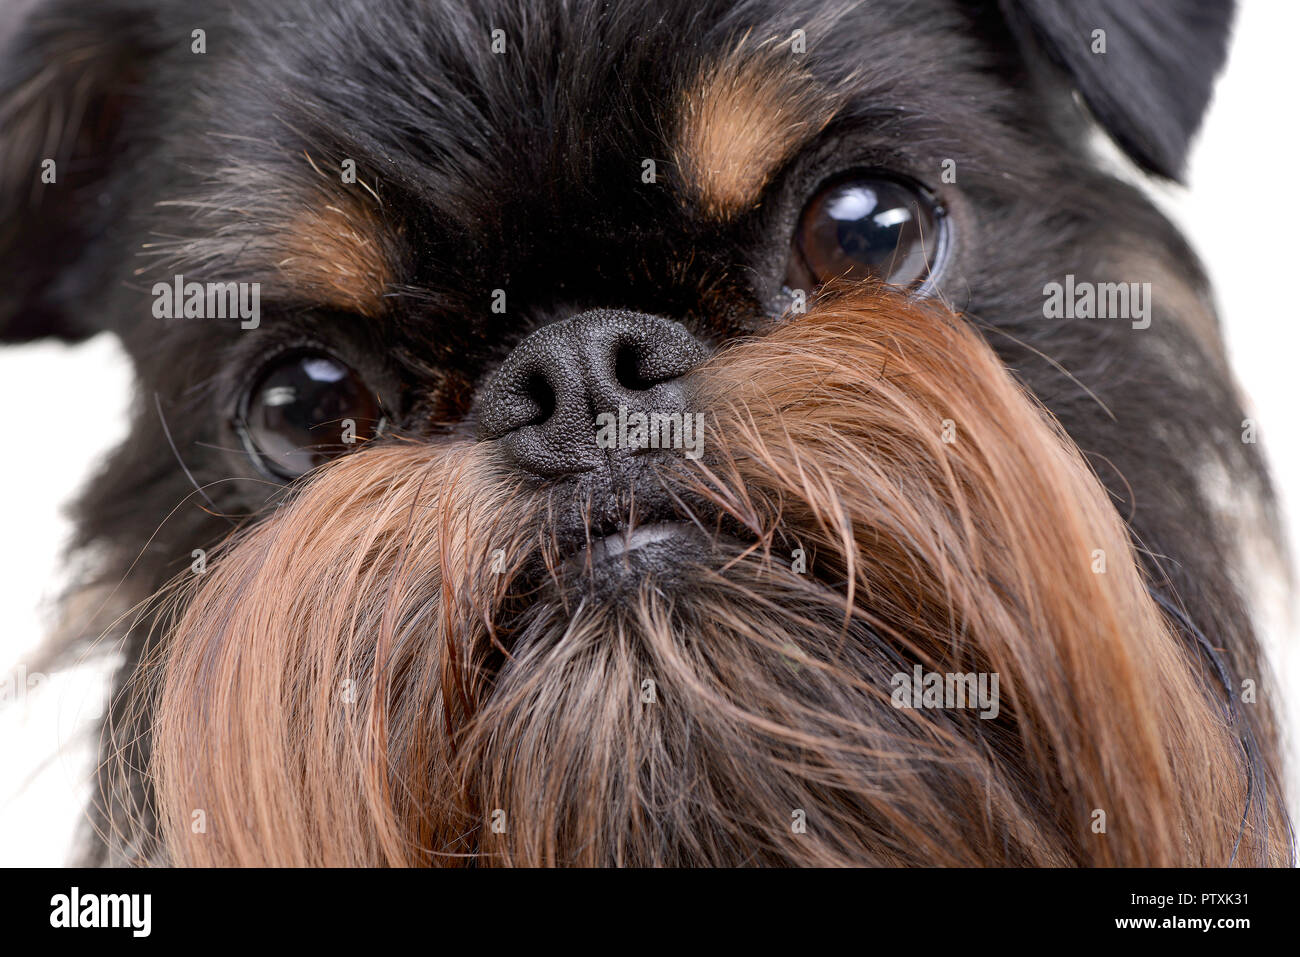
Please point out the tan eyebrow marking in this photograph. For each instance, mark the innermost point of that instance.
(741, 119)
(336, 253)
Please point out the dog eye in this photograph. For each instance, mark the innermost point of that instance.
(868, 226)
(305, 409)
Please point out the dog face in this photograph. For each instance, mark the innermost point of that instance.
(564, 426)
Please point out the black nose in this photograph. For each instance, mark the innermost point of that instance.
(543, 401)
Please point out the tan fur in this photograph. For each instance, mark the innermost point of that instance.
(324, 242)
(334, 253)
(353, 682)
(739, 120)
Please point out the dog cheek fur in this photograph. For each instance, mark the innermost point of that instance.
(359, 679)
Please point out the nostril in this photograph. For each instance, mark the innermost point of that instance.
(542, 394)
(627, 369)
(599, 361)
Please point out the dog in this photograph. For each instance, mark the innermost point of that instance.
(675, 434)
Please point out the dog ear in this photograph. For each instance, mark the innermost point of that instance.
(67, 73)
(1145, 68)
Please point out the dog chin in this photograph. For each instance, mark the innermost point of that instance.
(436, 681)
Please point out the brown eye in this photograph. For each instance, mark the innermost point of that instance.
(867, 227)
(305, 409)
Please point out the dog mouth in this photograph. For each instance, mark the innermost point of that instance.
(643, 522)
(637, 550)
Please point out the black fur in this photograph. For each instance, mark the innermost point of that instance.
(1151, 82)
(522, 172)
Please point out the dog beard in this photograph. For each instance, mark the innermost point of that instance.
(399, 666)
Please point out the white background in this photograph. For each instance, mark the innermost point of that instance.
(64, 407)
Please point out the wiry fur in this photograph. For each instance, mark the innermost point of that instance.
(382, 691)
(522, 171)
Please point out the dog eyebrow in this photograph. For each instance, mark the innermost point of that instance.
(335, 253)
(741, 119)
(327, 245)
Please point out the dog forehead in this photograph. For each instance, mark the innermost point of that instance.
(471, 100)
(498, 132)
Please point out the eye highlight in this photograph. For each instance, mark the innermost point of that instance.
(305, 408)
(867, 226)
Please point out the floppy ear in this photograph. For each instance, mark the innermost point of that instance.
(66, 77)
(1150, 87)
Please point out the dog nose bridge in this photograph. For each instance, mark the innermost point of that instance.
(543, 402)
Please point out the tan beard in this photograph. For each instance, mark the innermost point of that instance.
(395, 667)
